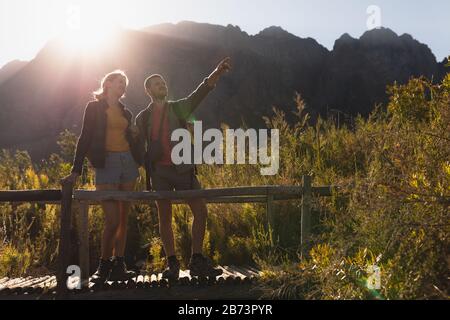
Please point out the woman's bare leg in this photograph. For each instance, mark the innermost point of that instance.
(111, 211)
(121, 234)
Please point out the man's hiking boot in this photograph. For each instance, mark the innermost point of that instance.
(103, 271)
(172, 272)
(199, 266)
(119, 270)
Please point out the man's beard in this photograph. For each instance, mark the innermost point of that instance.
(160, 96)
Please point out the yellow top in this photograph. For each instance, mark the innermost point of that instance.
(116, 125)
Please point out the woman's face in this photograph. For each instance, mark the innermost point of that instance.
(117, 86)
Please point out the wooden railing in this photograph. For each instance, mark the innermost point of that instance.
(83, 199)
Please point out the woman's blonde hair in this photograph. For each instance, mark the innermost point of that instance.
(101, 92)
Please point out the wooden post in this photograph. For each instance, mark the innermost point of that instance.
(83, 236)
(306, 215)
(269, 212)
(64, 239)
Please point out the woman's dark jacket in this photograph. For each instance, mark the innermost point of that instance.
(91, 143)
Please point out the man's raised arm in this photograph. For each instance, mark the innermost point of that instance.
(189, 104)
(223, 67)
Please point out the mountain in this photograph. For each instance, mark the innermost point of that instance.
(49, 93)
(10, 69)
(443, 68)
(358, 70)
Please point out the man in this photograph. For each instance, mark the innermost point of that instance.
(156, 124)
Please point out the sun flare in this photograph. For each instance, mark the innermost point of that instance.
(91, 28)
(88, 39)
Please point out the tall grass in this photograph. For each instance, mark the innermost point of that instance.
(392, 209)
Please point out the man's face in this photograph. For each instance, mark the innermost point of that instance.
(158, 88)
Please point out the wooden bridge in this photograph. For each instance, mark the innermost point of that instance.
(234, 283)
(67, 197)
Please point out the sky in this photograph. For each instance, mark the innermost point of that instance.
(26, 25)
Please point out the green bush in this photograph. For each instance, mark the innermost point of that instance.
(14, 262)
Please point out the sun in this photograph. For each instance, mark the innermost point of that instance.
(88, 39)
(90, 28)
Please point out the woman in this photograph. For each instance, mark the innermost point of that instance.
(108, 140)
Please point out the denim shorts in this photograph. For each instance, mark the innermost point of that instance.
(120, 168)
(166, 178)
